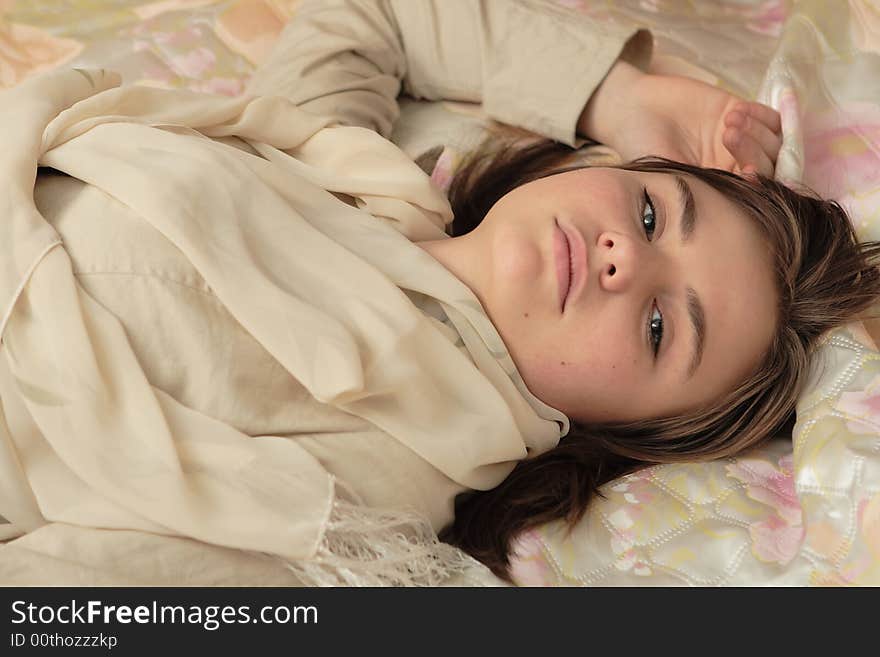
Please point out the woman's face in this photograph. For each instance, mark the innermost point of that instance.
(688, 277)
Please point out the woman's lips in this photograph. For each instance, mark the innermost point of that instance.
(562, 255)
(571, 262)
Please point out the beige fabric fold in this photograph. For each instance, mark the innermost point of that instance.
(530, 63)
(248, 190)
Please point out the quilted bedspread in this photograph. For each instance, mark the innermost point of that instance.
(802, 509)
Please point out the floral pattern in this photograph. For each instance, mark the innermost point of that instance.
(843, 161)
(776, 538)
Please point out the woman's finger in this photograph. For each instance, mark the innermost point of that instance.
(747, 152)
(766, 115)
(769, 141)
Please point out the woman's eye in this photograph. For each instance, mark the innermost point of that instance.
(649, 217)
(655, 329)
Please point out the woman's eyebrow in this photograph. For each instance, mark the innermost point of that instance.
(696, 312)
(688, 209)
(698, 322)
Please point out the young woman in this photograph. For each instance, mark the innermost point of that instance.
(266, 340)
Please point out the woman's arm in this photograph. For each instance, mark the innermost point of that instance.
(531, 63)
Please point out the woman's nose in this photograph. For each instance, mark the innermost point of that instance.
(619, 261)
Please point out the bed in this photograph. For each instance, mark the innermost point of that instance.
(803, 509)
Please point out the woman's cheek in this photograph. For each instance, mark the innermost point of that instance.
(517, 259)
(557, 379)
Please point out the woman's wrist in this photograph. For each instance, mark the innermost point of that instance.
(611, 104)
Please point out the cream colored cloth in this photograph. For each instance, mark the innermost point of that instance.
(530, 63)
(316, 281)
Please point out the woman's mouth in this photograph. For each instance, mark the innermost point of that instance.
(570, 252)
(562, 254)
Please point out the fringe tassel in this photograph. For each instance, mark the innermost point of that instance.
(364, 546)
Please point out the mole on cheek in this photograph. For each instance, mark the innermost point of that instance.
(562, 362)
(525, 314)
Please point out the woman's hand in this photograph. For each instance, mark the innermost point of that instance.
(681, 119)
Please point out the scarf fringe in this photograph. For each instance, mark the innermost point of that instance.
(365, 546)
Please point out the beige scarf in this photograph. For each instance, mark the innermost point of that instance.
(101, 447)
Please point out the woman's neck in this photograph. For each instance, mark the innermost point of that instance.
(463, 257)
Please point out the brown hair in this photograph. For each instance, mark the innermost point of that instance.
(824, 276)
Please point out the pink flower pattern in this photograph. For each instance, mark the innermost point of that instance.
(776, 538)
(182, 54)
(842, 161)
(769, 18)
(862, 408)
(528, 564)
